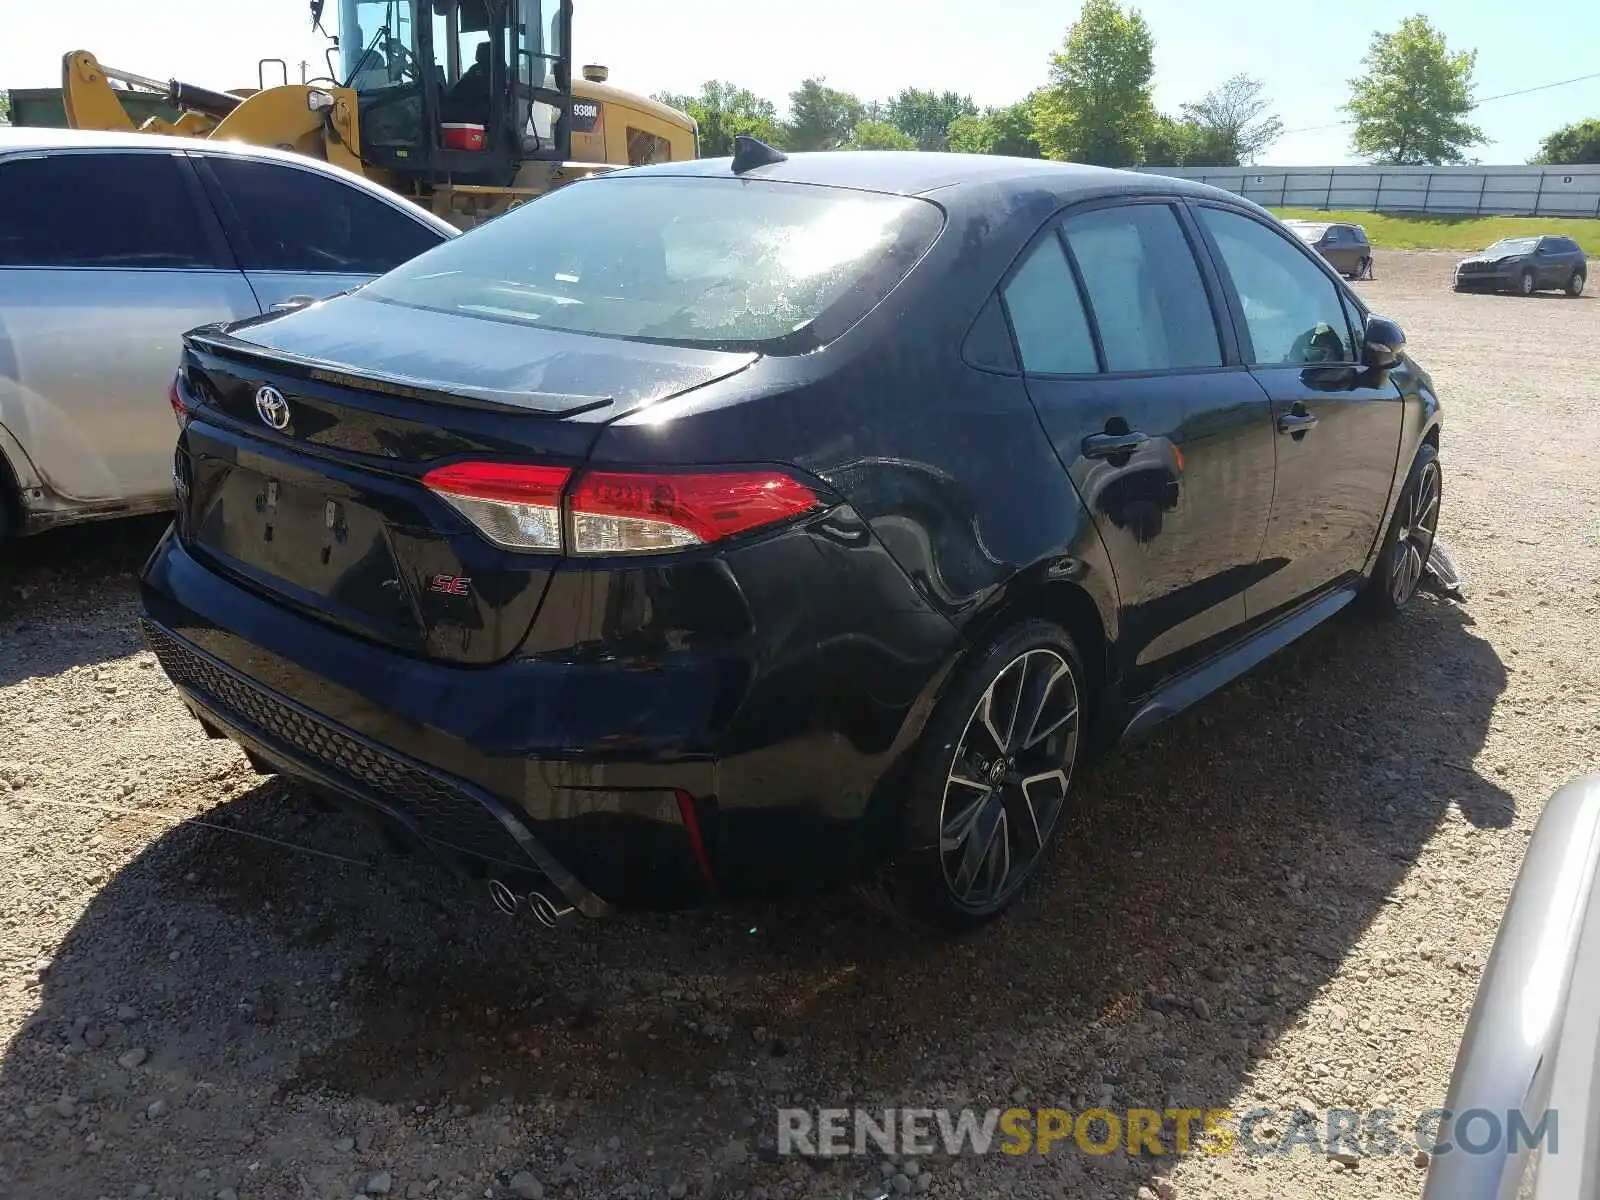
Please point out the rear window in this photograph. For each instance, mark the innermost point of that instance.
(717, 262)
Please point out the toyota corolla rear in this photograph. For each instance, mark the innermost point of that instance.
(505, 543)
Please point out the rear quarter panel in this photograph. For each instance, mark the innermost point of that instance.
(948, 465)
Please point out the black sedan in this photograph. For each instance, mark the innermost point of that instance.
(1526, 265)
(719, 526)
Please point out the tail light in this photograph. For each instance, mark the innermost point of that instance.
(180, 410)
(616, 512)
(636, 513)
(518, 507)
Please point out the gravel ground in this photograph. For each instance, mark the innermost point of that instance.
(1282, 899)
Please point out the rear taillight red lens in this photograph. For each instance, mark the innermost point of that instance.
(616, 512)
(634, 512)
(518, 507)
(180, 410)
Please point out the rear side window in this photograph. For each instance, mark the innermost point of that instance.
(1292, 310)
(645, 147)
(1144, 288)
(287, 219)
(689, 260)
(988, 342)
(1047, 314)
(117, 210)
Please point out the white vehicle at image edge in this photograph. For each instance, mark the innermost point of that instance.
(1531, 1055)
(112, 246)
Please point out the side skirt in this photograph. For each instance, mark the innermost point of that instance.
(1201, 681)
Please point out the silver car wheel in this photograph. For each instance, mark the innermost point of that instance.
(1008, 780)
(1419, 524)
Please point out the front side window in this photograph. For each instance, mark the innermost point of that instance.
(298, 220)
(1292, 311)
(692, 261)
(1144, 289)
(377, 43)
(378, 52)
(100, 210)
(1047, 314)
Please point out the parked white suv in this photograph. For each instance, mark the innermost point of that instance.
(111, 247)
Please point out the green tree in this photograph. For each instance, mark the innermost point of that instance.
(1232, 123)
(723, 111)
(1171, 141)
(1097, 106)
(1007, 130)
(1571, 144)
(5, 107)
(1411, 105)
(879, 135)
(925, 117)
(820, 117)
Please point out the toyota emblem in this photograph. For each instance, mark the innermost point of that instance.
(272, 408)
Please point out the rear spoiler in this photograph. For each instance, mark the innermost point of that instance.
(218, 339)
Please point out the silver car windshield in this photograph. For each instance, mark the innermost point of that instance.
(1513, 246)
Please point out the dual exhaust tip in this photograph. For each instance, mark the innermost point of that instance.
(547, 912)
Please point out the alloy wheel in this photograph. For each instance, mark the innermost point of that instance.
(1008, 781)
(1576, 286)
(1419, 523)
(1527, 283)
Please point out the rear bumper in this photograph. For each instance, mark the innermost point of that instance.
(449, 814)
(624, 780)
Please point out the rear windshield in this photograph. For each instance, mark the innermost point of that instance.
(689, 260)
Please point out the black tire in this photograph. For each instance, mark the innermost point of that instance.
(958, 860)
(1575, 284)
(10, 502)
(1409, 539)
(1526, 284)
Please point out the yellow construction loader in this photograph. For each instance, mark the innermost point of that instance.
(466, 106)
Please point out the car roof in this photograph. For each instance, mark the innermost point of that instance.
(14, 139)
(917, 174)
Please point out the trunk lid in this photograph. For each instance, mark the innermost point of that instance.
(328, 514)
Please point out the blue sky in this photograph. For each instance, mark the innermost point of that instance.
(995, 50)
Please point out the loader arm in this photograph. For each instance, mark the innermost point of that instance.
(92, 103)
(319, 122)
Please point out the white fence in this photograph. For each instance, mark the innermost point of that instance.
(1509, 191)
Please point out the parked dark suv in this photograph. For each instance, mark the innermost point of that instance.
(712, 527)
(1526, 265)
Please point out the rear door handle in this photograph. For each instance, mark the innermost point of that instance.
(1109, 445)
(1296, 422)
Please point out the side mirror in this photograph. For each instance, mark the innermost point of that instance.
(1383, 341)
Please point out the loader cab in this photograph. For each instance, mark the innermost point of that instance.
(459, 91)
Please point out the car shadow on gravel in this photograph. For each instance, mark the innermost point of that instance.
(67, 596)
(1217, 876)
